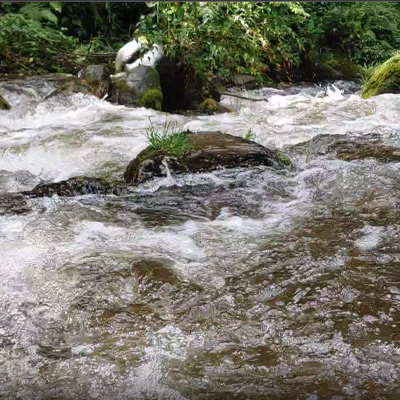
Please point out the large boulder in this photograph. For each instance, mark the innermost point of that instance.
(4, 104)
(206, 151)
(140, 87)
(181, 89)
(385, 79)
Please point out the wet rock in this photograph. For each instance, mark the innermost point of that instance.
(211, 106)
(248, 82)
(385, 79)
(93, 79)
(98, 78)
(13, 203)
(349, 147)
(334, 67)
(208, 151)
(76, 186)
(140, 87)
(4, 104)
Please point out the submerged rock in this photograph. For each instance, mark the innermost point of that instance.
(385, 79)
(208, 151)
(211, 106)
(13, 203)
(140, 87)
(76, 186)
(349, 147)
(4, 104)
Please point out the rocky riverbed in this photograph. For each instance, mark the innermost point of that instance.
(243, 283)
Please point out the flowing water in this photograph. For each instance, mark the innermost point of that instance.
(236, 284)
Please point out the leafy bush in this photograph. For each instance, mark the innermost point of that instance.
(365, 32)
(222, 39)
(27, 44)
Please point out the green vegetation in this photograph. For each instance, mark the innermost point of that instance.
(4, 104)
(152, 98)
(169, 140)
(250, 135)
(384, 79)
(208, 40)
(284, 160)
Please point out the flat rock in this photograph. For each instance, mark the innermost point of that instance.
(209, 151)
(74, 187)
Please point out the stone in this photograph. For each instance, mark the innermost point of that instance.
(385, 79)
(208, 151)
(133, 89)
(76, 186)
(4, 104)
(211, 106)
(97, 77)
(13, 203)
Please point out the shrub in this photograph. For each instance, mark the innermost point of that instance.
(222, 39)
(27, 44)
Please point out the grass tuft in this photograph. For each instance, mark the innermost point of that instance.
(170, 139)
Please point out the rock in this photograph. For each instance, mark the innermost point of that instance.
(93, 79)
(334, 67)
(141, 87)
(211, 106)
(13, 203)
(385, 79)
(349, 147)
(76, 186)
(97, 77)
(208, 151)
(247, 81)
(4, 104)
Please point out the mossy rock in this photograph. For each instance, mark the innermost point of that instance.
(208, 151)
(211, 106)
(340, 67)
(4, 104)
(152, 98)
(385, 79)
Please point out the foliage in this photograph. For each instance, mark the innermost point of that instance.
(385, 79)
(222, 39)
(170, 140)
(250, 135)
(207, 39)
(365, 32)
(27, 44)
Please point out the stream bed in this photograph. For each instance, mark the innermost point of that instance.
(237, 284)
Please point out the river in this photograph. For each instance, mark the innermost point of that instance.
(236, 284)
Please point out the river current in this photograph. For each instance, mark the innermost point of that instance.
(236, 284)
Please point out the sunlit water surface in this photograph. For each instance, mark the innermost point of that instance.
(237, 284)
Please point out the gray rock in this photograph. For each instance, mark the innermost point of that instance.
(208, 151)
(13, 203)
(139, 87)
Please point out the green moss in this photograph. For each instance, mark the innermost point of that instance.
(152, 98)
(385, 79)
(4, 104)
(211, 106)
(284, 160)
